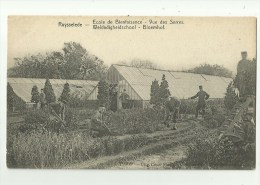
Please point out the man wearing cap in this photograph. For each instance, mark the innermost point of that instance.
(172, 106)
(202, 96)
(240, 80)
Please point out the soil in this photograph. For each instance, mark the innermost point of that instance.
(167, 147)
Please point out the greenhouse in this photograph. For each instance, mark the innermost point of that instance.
(22, 87)
(137, 83)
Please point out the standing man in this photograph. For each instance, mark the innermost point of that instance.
(242, 68)
(124, 97)
(203, 96)
(172, 107)
(245, 79)
(43, 99)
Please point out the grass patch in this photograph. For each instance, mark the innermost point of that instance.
(52, 150)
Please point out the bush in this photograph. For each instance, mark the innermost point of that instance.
(214, 106)
(230, 98)
(65, 95)
(155, 88)
(41, 121)
(211, 153)
(213, 121)
(35, 120)
(71, 117)
(133, 121)
(103, 94)
(35, 94)
(49, 93)
(188, 107)
(84, 103)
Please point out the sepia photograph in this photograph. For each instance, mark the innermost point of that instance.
(131, 92)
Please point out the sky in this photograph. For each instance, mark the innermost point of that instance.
(212, 40)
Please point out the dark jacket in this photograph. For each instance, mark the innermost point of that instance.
(202, 95)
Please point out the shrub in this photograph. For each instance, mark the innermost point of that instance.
(155, 88)
(133, 121)
(214, 106)
(35, 94)
(65, 95)
(230, 98)
(212, 153)
(213, 121)
(188, 107)
(103, 94)
(48, 90)
(77, 102)
(164, 91)
(70, 117)
(41, 121)
(35, 120)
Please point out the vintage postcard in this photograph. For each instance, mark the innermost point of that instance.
(126, 92)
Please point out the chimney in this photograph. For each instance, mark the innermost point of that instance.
(244, 55)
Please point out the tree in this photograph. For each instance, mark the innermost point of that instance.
(73, 62)
(103, 93)
(10, 97)
(155, 89)
(65, 95)
(77, 60)
(38, 66)
(215, 70)
(141, 64)
(164, 91)
(35, 94)
(230, 98)
(49, 93)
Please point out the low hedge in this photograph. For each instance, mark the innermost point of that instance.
(132, 121)
(213, 106)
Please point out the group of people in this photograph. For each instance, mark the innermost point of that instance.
(172, 107)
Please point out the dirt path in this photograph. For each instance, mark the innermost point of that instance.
(157, 161)
(166, 147)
